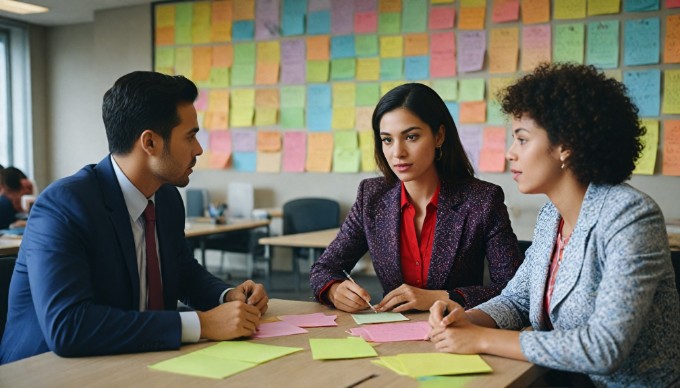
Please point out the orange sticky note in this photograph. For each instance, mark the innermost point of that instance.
(201, 61)
(214, 120)
(221, 21)
(223, 55)
(503, 50)
(473, 112)
(268, 162)
(268, 141)
(165, 15)
(318, 48)
(471, 18)
(319, 152)
(390, 6)
(244, 10)
(535, 11)
(671, 147)
(492, 154)
(671, 52)
(266, 73)
(416, 44)
(218, 101)
(267, 98)
(165, 36)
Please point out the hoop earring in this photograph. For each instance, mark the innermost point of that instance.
(438, 153)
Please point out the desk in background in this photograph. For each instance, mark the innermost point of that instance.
(9, 246)
(295, 370)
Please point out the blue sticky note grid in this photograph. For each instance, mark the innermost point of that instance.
(454, 109)
(342, 46)
(640, 5)
(293, 19)
(644, 88)
(319, 23)
(641, 42)
(319, 95)
(244, 161)
(319, 118)
(243, 30)
(417, 68)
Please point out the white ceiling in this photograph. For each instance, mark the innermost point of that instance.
(64, 12)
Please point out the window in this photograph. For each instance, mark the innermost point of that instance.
(15, 118)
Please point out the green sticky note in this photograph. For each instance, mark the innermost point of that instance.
(317, 71)
(340, 348)
(389, 23)
(392, 68)
(414, 13)
(366, 45)
(247, 351)
(244, 53)
(292, 96)
(494, 114)
(471, 89)
(568, 43)
(346, 160)
(371, 317)
(446, 88)
(242, 74)
(196, 364)
(345, 140)
(343, 68)
(293, 118)
(183, 61)
(219, 77)
(165, 57)
(183, 34)
(367, 94)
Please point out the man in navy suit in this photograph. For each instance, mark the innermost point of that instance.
(104, 260)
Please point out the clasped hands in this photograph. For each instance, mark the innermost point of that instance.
(452, 331)
(350, 297)
(239, 316)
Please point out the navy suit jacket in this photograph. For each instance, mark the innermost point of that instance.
(472, 225)
(75, 287)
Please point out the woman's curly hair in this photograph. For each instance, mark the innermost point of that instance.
(586, 113)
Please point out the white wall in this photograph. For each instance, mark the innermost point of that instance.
(84, 60)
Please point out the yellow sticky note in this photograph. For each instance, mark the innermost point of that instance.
(319, 152)
(645, 165)
(570, 9)
(269, 52)
(603, 7)
(343, 118)
(340, 348)
(368, 69)
(242, 97)
(344, 94)
(265, 116)
(218, 101)
(503, 50)
(317, 71)
(436, 364)
(671, 92)
(391, 46)
(242, 116)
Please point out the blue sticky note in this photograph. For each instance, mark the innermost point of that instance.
(319, 23)
(640, 5)
(641, 42)
(417, 68)
(319, 95)
(293, 19)
(342, 46)
(243, 30)
(644, 88)
(454, 109)
(244, 161)
(319, 118)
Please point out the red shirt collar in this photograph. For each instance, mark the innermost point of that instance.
(434, 201)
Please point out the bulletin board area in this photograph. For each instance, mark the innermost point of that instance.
(290, 85)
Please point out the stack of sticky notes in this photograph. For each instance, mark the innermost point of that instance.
(370, 317)
(340, 348)
(393, 332)
(434, 364)
(223, 359)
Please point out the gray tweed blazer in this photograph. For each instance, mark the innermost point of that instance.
(615, 308)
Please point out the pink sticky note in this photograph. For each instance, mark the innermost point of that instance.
(201, 102)
(393, 332)
(277, 329)
(310, 320)
(365, 22)
(441, 18)
(294, 151)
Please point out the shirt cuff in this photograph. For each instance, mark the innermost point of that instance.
(323, 295)
(191, 326)
(224, 295)
(457, 297)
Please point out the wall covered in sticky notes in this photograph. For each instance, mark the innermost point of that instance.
(290, 85)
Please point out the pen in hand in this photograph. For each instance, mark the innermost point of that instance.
(352, 280)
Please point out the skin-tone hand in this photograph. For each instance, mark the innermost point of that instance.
(250, 293)
(407, 297)
(228, 321)
(456, 331)
(348, 296)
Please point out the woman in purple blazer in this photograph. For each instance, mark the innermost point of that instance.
(428, 223)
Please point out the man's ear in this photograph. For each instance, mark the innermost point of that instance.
(150, 142)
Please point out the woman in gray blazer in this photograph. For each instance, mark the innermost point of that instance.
(597, 285)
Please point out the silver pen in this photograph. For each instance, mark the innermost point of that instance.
(367, 302)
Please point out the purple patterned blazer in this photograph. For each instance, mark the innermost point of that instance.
(472, 224)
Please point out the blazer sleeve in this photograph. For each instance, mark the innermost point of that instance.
(58, 256)
(502, 250)
(346, 249)
(630, 244)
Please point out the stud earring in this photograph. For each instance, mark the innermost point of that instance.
(562, 160)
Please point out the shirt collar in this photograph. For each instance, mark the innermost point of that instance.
(134, 199)
(434, 201)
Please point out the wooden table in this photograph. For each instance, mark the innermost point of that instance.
(200, 230)
(9, 246)
(295, 370)
(314, 240)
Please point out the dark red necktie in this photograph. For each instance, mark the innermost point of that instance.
(153, 270)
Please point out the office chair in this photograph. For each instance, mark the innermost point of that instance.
(675, 259)
(197, 202)
(308, 215)
(6, 269)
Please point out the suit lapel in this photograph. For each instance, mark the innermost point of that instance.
(120, 220)
(541, 250)
(448, 229)
(388, 221)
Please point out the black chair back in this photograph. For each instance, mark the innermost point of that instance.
(675, 258)
(523, 246)
(6, 269)
(310, 214)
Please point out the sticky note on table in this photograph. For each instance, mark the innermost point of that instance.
(310, 320)
(371, 317)
(394, 332)
(434, 364)
(277, 329)
(340, 348)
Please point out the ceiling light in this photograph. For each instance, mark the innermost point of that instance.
(21, 7)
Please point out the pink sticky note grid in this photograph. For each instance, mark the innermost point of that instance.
(277, 329)
(310, 320)
(393, 332)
